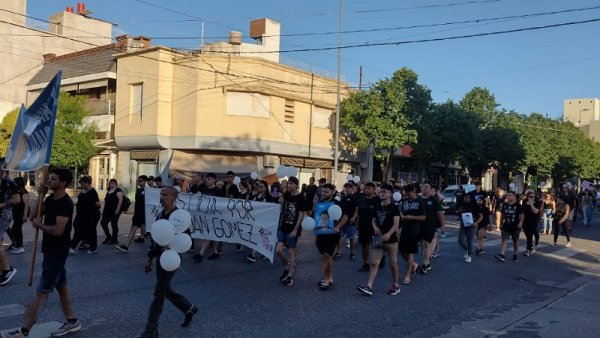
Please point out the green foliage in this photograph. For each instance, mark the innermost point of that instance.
(72, 146)
(380, 117)
(7, 127)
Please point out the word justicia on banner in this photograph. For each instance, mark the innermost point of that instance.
(250, 223)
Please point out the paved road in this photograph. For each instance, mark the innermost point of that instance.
(551, 294)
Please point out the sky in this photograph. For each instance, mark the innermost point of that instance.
(528, 70)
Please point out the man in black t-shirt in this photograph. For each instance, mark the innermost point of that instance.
(348, 204)
(366, 204)
(139, 215)
(512, 222)
(293, 207)
(9, 196)
(56, 226)
(412, 215)
(434, 217)
(309, 194)
(385, 222)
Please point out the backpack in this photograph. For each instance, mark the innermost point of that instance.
(125, 204)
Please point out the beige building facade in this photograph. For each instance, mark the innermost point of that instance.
(210, 112)
(22, 48)
(585, 114)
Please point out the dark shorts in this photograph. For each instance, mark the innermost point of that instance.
(514, 234)
(326, 244)
(349, 231)
(409, 243)
(427, 235)
(365, 234)
(283, 237)
(53, 273)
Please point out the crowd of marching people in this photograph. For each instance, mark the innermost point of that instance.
(378, 223)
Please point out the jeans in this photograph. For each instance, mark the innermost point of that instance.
(161, 291)
(547, 221)
(465, 237)
(586, 210)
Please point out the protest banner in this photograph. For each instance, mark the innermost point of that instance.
(250, 223)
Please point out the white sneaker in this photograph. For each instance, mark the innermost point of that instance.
(569, 245)
(468, 259)
(466, 254)
(71, 252)
(17, 250)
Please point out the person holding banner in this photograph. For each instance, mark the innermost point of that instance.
(9, 196)
(327, 232)
(293, 206)
(162, 291)
(111, 212)
(209, 189)
(56, 226)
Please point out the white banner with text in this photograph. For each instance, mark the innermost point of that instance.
(250, 223)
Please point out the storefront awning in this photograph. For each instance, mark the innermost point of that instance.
(190, 162)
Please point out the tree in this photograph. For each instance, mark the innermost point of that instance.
(381, 116)
(72, 146)
(482, 103)
(7, 126)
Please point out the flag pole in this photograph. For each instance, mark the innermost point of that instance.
(42, 178)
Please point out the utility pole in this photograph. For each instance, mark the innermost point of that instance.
(360, 75)
(336, 152)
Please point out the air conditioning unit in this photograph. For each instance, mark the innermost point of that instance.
(270, 161)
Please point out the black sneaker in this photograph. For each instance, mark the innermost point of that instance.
(424, 268)
(289, 281)
(251, 258)
(365, 268)
(83, 247)
(515, 258)
(213, 256)
(500, 257)
(351, 257)
(7, 275)
(238, 247)
(480, 252)
(365, 289)
(198, 257)
(284, 275)
(189, 315)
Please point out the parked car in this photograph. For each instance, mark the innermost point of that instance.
(449, 203)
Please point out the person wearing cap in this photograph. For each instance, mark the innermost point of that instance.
(138, 221)
(293, 207)
(9, 196)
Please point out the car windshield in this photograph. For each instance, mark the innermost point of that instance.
(448, 193)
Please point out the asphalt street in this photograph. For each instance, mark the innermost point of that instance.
(553, 293)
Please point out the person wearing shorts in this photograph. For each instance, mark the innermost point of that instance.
(348, 231)
(366, 204)
(434, 213)
(327, 233)
(386, 222)
(512, 222)
(292, 212)
(412, 214)
(56, 225)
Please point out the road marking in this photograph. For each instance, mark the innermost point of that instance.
(564, 253)
(41, 330)
(11, 310)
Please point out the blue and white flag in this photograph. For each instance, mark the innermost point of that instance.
(31, 140)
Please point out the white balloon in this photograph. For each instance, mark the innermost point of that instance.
(337, 198)
(281, 171)
(237, 180)
(356, 179)
(292, 171)
(181, 243)
(397, 196)
(254, 175)
(170, 260)
(335, 212)
(163, 232)
(181, 220)
(542, 184)
(511, 186)
(308, 223)
(349, 178)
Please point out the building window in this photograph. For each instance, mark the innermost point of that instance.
(289, 111)
(247, 104)
(137, 94)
